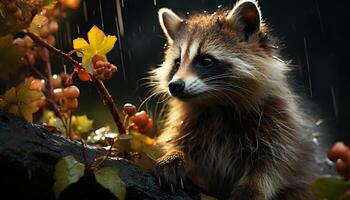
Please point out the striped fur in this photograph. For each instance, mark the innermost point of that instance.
(237, 136)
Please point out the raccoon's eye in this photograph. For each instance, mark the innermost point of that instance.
(177, 64)
(205, 61)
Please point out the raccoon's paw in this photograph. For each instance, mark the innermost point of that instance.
(170, 171)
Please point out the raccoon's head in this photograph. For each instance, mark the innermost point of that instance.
(224, 57)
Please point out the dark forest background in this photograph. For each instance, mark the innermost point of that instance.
(313, 34)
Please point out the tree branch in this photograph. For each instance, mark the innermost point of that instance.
(107, 98)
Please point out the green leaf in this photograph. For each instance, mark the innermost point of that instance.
(109, 178)
(10, 57)
(67, 171)
(205, 197)
(330, 188)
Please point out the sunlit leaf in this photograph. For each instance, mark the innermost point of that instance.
(22, 100)
(10, 57)
(37, 22)
(67, 171)
(330, 188)
(140, 142)
(50, 118)
(109, 178)
(206, 197)
(99, 44)
(49, 4)
(81, 123)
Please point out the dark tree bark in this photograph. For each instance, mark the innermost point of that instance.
(28, 155)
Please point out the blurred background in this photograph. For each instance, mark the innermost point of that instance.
(313, 35)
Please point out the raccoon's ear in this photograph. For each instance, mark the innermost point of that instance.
(246, 16)
(169, 22)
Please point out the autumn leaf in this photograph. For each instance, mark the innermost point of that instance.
(49, 4)
(50, 118)
(10, 57)
(38, 21)
(330, 188)
(81, 124)
(21, 100)
(67, 171)
(109, 178)
(99, 44)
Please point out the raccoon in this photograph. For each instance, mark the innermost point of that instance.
(232, 126)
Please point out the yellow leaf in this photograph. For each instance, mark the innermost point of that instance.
(99, 44)
(22, 100)
(95, 37)
(107, 45)
(81, 123)
(10, 57)
(80, 43)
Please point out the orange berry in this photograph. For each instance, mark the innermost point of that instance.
(83, 75)
(337, 151)
(44, 31)
(96, 58)
(72, 104)
(51, 40)
(28, 42)
(71, 92)
(129, 109)
(53, 27)
(57, 94)
(99, 64)
(140, 119)
(56, 81)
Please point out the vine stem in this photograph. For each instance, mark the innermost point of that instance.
(107, 98)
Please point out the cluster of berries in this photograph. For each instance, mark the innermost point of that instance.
(65, 97)
(140, 121)
(102, 68)
(340, 154)
(12, 7)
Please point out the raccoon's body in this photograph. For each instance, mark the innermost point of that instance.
(232, 125)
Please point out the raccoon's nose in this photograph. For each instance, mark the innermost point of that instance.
(177, 86)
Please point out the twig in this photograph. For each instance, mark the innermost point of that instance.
(107, 98)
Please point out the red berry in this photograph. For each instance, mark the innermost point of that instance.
(140, 119)
(18, 14)
(12, 7)
(129, 109)
(71, 92)
(148, 127)
(337, 151)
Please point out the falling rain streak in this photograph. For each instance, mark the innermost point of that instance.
(85, 11)
(120, 32)
(101, 15)
(335, 104)
(308, 66)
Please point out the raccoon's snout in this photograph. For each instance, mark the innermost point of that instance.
(176, 87)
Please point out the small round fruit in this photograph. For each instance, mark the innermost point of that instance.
(44, 31)
(99, 64)
(56, 81)
(72, 104)
(83, 75)
(19, 42)
(129, 109)
(58, 94)
(28, 42)
(337, 151)
(53, 27)
(96, 58)
(41, 103)
(72, 4)
(148, 127)
(140, 119)
(71, 92)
